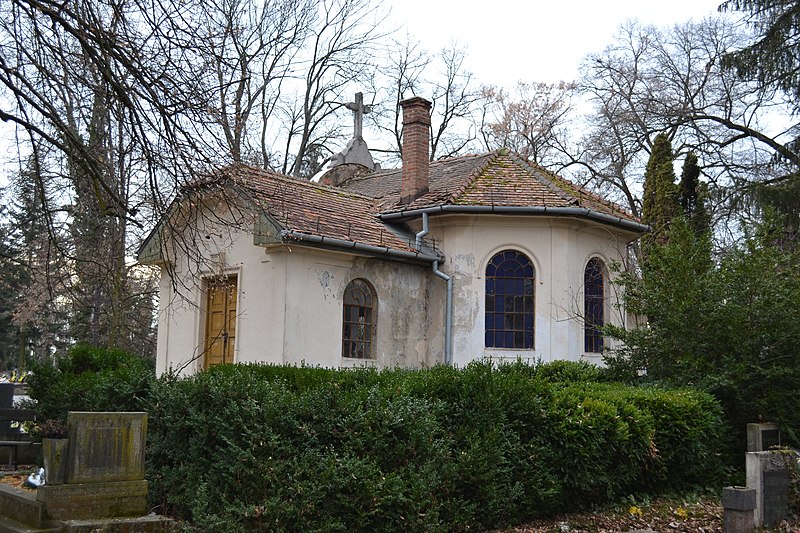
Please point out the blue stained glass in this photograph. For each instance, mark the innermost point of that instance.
(510, 280)
(508, 339)
(594, 303)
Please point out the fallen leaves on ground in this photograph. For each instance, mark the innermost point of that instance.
(703, 515)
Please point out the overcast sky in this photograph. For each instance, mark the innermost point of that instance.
(533, 40)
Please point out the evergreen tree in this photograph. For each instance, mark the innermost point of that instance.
(692, 196)
(660, 198)
(774, 58)
(773, 61)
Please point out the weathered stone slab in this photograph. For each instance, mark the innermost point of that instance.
(106, 446)
(144, 524)
(761, 437)
(768, 474)
(21, 505)
(80, 501)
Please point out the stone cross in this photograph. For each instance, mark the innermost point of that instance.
(359, 110)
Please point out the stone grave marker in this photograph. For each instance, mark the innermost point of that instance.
(763, 436)
(105, 468)
(768, 474)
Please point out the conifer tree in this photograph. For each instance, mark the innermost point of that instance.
(692, 196)
(660, 198)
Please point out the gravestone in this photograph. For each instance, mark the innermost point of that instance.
(106, 447)
(105, 468)
(6, 402)
(763, 436)
(768, 474)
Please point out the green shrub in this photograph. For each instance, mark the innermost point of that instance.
(90, 379)
(265, 448)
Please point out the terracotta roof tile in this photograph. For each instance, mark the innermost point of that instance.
(497, 178)
(306, 207)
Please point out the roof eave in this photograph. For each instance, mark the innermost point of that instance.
(322, 241)
(604, 218)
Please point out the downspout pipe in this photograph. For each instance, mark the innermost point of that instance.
(448, 313)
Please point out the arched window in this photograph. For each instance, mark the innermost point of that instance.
(509, 301)
(593, 306)
(358, 321)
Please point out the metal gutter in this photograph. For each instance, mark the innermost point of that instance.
(349, 245)
(522, 210)
(448, 314)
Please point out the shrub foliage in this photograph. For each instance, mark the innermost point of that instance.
(270, 448)
(248, 448)
(90, 379)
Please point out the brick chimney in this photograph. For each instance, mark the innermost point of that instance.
(416, 148)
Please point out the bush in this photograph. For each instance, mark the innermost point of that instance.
(729, 327)
(90, 379)
(264, 448)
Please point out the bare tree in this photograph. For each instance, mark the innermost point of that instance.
(532, 120)
(249, 49)
(650, 81)
(344, 33)
(441, 78)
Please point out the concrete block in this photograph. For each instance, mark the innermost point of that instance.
(739, 498)
(78, 501)
(21, 505)
(761, 437)
(106, 447)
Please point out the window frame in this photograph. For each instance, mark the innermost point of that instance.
(358, 338)
(594, 305)
(510, 301)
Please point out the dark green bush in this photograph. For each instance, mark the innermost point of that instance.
(265, 448)
(90, 379)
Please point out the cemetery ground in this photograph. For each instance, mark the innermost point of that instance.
(695, 513)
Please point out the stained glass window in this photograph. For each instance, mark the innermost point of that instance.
(593, 306)
(509, 301)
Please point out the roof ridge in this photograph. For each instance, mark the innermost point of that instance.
(475, 174)
(547, 178)
(271, 174)
(591, 194)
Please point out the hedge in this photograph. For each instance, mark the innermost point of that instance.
(269, 448)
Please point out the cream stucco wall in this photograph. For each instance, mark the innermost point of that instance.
(559, 249)
(289, 304)
(289, 307)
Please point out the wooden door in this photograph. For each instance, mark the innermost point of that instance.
(220, 321)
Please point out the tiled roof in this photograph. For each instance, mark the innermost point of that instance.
(497, 178)
(350, 211)
(309, 208)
